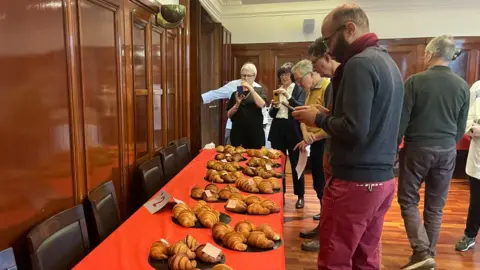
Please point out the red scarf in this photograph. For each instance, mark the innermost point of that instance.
(358, 46)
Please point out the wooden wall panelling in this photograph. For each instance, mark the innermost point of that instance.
(172, 83)
(159, 86)
(227, 76)
(195, 75)
(186, 69)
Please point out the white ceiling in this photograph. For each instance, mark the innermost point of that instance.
(255, 2)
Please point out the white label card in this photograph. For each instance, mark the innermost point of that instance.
(302, 162)
(228, 155)
(232, 204)
(265, 157)
(164, 241)
(224, 161)
(268, 167)
(250, 181)
(158, 202)
(208, 193)
(211, 250)
(178, 201)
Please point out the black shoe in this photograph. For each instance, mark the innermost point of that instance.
(316, 217)
(313, 246)
(309, 234)
(300, 203)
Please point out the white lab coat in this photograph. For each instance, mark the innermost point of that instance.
(473, 160)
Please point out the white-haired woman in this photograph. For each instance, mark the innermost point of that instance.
(245, 111)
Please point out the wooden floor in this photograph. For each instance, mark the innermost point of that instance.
(396, 248)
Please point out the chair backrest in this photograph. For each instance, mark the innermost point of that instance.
(59, 242)
(152, 177)
(183, 153)
(105, 209)
(169, 161)
(7, 260)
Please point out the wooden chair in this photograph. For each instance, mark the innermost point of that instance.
(152, 177)
(59, 242)
(104, 206)
(183, 153)
(169, 161)
(7, 260)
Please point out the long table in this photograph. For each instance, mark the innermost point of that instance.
(128, 247)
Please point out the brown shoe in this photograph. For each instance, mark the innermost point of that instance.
(420, 260)
(311, 246)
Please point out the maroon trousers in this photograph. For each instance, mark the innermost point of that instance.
(351, 224)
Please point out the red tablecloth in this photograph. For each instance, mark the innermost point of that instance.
(128, 247)
(463, 144)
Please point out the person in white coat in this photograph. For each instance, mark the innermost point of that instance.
(473, 171)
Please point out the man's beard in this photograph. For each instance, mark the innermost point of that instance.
(340, 48)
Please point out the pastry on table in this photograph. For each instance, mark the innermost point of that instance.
(259, 239)
(264, 150)
(211, 187)
(259, 154)
(219, 156)
(237, 196)
(191, 242)
(240, 149)
(224, 194)
(275, 183)
(274, 154)
(237, 174)
(159, 251)
(215, 178)
(257, 209)
(222, 267)
(220, 148)
(252, 199)
(247, 185)
(202, 256)
(232, 189)
(245, 228)
(187, 218)
(217, 166)
(228, 178)
(251, 152)
(181, 248)
(212, 172)
(178, 208)
(268, 231)
(229, 167)
(235, 241)
(220, 229)
(257, 179)
(210, 196)
(229, 150)
(270, 205)
(236, 206)
(196, 192)
(249, 171)
(253, 162)
(198, 205)
(236, 165)
(264, 173)
(181, 262)
(210, 164)
(265, 187)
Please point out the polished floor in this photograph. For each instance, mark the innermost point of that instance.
(395, 249)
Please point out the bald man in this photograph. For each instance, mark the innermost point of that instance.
(363, 123)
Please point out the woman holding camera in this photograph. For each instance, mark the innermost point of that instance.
(285, 131)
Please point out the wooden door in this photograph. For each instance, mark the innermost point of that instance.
(172, 84)
(158, 75)
(227, 76)
(467, 65)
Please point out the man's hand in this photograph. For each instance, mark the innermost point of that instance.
(239, 98)
(275, 103)
(306, 114)
(309, 137)
(301, 146)
(247, 87)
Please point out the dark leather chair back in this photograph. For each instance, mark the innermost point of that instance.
(7, 260)
(59, 242)
(152, 177)
(169, 161)
(106, 213)
(183, 153)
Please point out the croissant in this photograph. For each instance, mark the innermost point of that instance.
(257, 209)
(212, 196)
(210, 163)
(270, 205)
(238, 206)
(202, 256)
(259, 154)
(181, 247)
(237, 174)
(187, 218)
(207, 208)
(257, 179)
(196, 192)
(222, 267)
(178, 208)
(265, 187)
(253, 162)
(211, 187)
(273, 155)
(215, 178)
(219, 156)
(263, 173)
(275, 183)
(217, 166)
(237, 157)
(211, 172)
(249, 171)
(247, 185)
(237, 196)
(251, 152)
(276, 174)
(229, 167)
(252, 199)
(269, 232)
(220, 229)
(208, 218)
(191, 242)
(224, 194)
(159, 251)
(259, 239)
(236, 165)
(235, 241)
(230, 150)
(181, 262)
(220, 148)
(199, 205)
(232, 189)
(240, 149)
(244, 227)
(228, 178)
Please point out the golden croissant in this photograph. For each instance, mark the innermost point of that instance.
(199, 205)
(202, 256)
(265, 187)
(211, 187)
(237, 174)
(220, 148)
(232, 189)
(240, 149)
(247, 185)
(207, 208)
(257, 209)
(224, 194)
(217, 166)
(208, 218)
(252, 199)
(181, 262)
(211, 197)
(259, 239)
(270, 205)
(210, 164)
(191, 242)
(249, 171)
(187, 218)
(228, 178)
(219, 156)
(229, 167)
(159, 251)
(222, 267)
(269, 232)
(237, 196)
(251, 152)
(235, 241)
(220, 229)
(181, 247)
(244, 227)
(230, 150)
(257, 179)
(240, 206)
(196, 192)
(178, 208)
(274, 155)
(275, 183)
(211, 172)
(253, 162)
(215, 178)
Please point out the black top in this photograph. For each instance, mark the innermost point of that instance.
(366, 118)
(435, 108)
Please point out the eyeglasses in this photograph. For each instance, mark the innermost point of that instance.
(326, 39)
(244, 76)
(285, 75)
(314, 61)
(299, 80)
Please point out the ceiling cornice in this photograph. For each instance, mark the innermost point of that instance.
(214, 8)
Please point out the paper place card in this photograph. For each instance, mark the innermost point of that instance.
(228, 155)
(178, 201)
(158, 202)
(302, 162)
(164, 241)
(265, 157)
(208, 193)
(232, 204)
(268, 167)
(224, 160)
(211, 250)
(250, 181)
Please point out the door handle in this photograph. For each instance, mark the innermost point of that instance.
(212, 106)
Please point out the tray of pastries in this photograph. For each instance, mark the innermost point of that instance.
(246, 237)
(186, 254)
(264, 153)
(237, 157)
(212, 193)
(224, 166)
(259, 185)
(263, 162)
(200, 216)
(222, 177)
(251, 205)
(262, 172)
(228, 149)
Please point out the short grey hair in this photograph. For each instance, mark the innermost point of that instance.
(303, 67)
(442, 47)
(249, 67)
